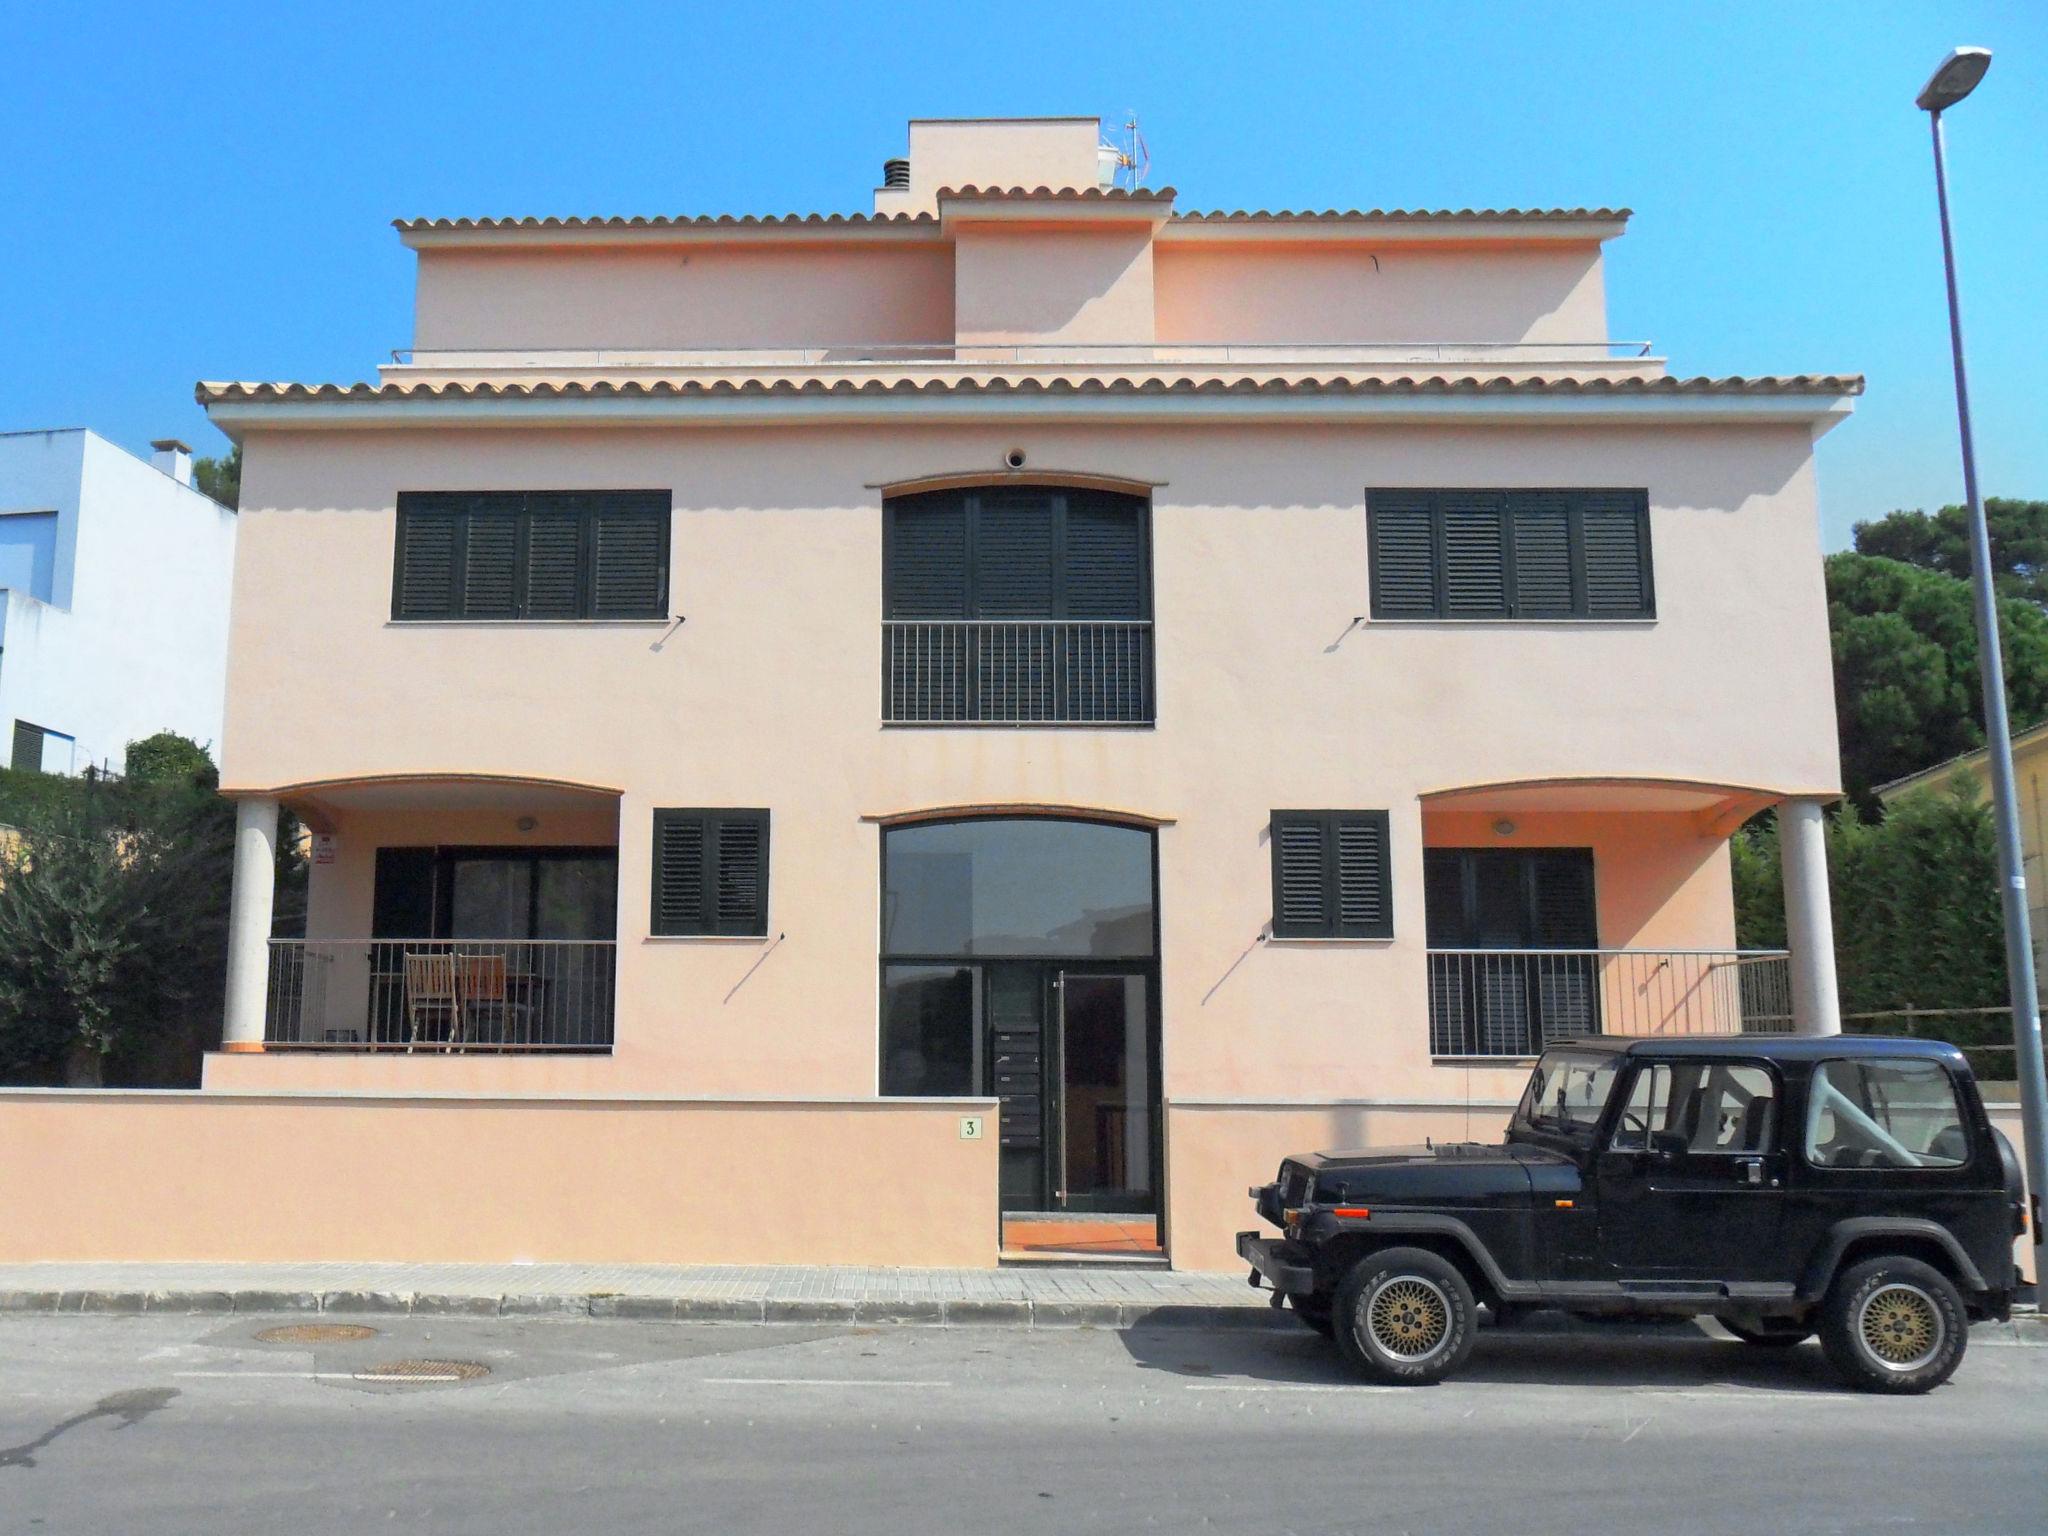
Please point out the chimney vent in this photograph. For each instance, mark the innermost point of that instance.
(173, 458)
(896, 172)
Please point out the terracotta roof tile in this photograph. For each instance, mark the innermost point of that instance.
(1365, 384)
(667, 221)
(1411, 215)
(1064, 194)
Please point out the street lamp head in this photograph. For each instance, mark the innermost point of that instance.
(1954, 79)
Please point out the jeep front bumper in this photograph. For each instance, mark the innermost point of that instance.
(1286, 1266)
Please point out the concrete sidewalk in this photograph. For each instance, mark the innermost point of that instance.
(1097, 1296)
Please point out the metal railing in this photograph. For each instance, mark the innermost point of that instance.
(1514, 1002)
(506, 995)
(1017, 672)
(901, 354)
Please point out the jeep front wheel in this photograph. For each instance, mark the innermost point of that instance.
(1893, 1325)
(1406, 1316)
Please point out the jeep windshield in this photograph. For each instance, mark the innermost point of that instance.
(1567, 1092)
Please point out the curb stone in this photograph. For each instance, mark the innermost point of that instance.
(276, 1301)
(455, 1306)
(366, 1301)
(992, 1312)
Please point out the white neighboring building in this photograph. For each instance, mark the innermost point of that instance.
(114, 581)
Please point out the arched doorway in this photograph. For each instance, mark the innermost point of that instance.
(1020, 960)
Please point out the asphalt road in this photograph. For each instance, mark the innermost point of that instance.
(176, 1424)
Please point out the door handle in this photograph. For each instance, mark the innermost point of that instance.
(1752, 1169)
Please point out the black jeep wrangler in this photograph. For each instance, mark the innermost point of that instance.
(1846, 1186)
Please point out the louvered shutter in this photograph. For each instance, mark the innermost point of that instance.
(1013, 555)
(679, 873)
(490, 563)
(1301, 904)
(741, 891)
(1401, 527)
(1615, 530)
(1474, 555)
(425, 585)
(710, 872)
(1359, 846)
(1330, 875)
(1563, 915)
(1105, 557)
(629, 556)
(27, 756)
(927, 557)
(554, 558)
(1541, 525)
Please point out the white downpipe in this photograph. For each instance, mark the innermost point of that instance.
(249, 912)
(1809, 918)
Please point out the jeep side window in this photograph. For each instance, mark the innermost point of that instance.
(1884, 1114)
(1699, 1108)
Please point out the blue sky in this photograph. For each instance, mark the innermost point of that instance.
(206, 194)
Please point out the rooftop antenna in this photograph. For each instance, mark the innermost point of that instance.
(1124, 165)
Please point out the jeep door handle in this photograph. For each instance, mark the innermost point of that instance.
(1752, 1170)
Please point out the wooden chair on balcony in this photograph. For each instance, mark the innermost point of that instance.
(481, 981)
(432, 999)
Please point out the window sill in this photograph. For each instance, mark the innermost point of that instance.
(706, 938)
(527, 623)
(1646, 623)
(1342, 939)
(1019, 725)
(1483, 1061)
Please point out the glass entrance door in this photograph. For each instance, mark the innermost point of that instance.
(1108, 1091)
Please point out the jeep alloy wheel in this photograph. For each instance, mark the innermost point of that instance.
(1405, 1315)
(1894, 1325)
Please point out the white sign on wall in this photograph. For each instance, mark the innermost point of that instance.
(323, 847)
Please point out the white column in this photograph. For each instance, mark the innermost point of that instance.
(249, 910)
(1809, 918)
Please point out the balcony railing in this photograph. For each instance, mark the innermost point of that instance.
(465, 995)
(1017, 672)
(1514, 1002)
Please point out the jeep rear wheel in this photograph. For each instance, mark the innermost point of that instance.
(1894, 1325)
(1405, 1315)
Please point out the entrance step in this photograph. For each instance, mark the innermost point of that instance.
(1076, 1237)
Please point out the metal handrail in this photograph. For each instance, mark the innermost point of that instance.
(950, 351)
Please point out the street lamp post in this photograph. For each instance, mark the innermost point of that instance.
(1956, 77)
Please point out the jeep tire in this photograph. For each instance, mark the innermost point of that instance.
(1893, 1324)
(1405, 1316)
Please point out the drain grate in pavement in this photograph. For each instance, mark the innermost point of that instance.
(424, 1371)
(316, 1333)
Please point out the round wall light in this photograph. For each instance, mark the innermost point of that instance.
(1504, 827)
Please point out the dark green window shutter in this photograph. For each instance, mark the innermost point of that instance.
(1541, 525)
(1104, 562)
(926, 557)
(554, 553)
(742, 886)
(1301, 904)
(679, 870)
(1331, 875)
(27, 754)
(1561, 902)
(1401, 531)
(1616, 532)
(425, 585)
(1013, 555)
(1445, 925)
(1362, 886)
(710, 872)
(629, 552)
(1475, 555)
(490, 567)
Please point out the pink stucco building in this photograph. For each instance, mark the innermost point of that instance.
(820, 731)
